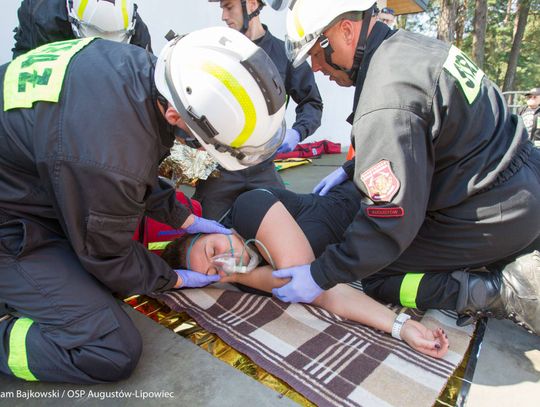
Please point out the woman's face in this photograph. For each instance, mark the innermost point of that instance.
(208, 246)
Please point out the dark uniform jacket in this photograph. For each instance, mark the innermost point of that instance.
(45, 21)
(535, 130)
(299, 84)
(431, 126)
(87, 166)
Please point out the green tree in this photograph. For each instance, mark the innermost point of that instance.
(498, 40)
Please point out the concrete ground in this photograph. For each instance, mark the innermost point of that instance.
(173, 371)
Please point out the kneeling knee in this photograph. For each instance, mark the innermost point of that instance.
(113, 357)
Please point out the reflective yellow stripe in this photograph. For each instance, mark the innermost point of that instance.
(82, 7)
(125, 14)
(241, 96)
(409, 289)
(297, 23)
(18, 359)
(158, 245)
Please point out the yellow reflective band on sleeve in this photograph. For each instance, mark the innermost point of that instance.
(125, 14)
(39, 74)
(468, 75)
(18, 359)
(82, 7)
(158, 245)
(409, 289)
(241, 96)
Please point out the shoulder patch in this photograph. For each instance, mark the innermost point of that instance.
(467, 74)
(381, 182)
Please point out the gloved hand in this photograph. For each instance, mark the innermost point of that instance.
(202, 225)
(192, 279)
(302, 287)
(336, 177)
(292, 138)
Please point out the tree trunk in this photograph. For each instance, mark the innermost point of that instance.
(519, 30)
(446, 26)
(402, 21)
(479, 32)
(508, 11)
(461, 15)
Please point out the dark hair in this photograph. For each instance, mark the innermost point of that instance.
(387, 10)
(175, 253)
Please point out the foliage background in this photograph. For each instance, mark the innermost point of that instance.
(499, 36)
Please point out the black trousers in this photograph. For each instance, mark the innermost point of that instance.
(71, 328)
(217, 195)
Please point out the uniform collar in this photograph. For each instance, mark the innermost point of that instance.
(266, 38)
(379, 33)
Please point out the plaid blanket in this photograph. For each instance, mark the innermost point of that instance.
(331, 361)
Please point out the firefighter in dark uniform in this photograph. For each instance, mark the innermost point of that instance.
(45, 21)
(450, 182)
(80, 145)
(531, 115)
(218, 194)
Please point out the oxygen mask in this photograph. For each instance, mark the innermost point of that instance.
(234, 261)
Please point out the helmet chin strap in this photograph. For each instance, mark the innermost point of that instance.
(247, 16)
(360, 47)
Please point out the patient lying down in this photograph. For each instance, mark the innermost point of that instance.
(285, 245)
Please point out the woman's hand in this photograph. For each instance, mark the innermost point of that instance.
(433, 343)
(224, 278)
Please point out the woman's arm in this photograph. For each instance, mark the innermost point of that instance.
(289, 247)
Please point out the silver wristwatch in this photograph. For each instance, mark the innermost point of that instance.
(398, 324)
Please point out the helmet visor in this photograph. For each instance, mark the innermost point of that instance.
(256, 155)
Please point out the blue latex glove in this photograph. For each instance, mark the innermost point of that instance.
(330, 181)
(192, 279)
(202, 225)
(292, 138)
(302, 287)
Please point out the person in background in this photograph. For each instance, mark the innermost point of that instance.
(450, 183)
(531, 115)
(45, 21)
(386, 15)
(80, 146)
(218, 194)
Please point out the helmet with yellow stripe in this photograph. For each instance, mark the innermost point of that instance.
(307, 19)
(110, 19)
(228, 92)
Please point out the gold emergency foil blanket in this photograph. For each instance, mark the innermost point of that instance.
(187, 165)
(183, 324)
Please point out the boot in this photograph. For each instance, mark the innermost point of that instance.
(512, 293)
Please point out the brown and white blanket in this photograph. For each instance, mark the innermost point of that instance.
(331, 361)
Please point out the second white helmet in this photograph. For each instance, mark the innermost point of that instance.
(110, 19)
(307, 19)
(229, 93)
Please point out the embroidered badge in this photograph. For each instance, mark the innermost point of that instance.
(381, 182)
(393, 212)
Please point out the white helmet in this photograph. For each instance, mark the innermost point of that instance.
(229, 93)
(307, 19)
(110, 19)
